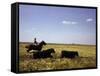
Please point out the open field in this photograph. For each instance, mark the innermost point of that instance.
(86, 59)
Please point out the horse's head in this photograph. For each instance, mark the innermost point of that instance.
(43, 43)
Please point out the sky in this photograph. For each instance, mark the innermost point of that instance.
(57, 24)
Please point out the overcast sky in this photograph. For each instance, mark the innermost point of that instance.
(57, 24)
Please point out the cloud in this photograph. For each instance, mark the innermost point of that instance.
(74, 22)
(69, 22)
(89, 20)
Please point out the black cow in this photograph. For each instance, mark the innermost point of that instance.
(43, 54)
(69, 54)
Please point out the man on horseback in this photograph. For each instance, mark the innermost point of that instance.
(35, 47)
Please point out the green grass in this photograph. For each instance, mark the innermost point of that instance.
(86, 59)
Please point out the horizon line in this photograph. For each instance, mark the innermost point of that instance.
(61, 43)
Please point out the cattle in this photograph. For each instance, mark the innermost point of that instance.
(69, 54)
(43, 54)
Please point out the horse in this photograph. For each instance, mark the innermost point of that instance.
(36, 47)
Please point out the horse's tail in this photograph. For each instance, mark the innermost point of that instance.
(26, 46)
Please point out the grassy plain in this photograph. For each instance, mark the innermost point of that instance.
(86, 59)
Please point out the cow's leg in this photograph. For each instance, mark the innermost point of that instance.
(62, 55)
(50, 56)
(34, 56)
(76, 55)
